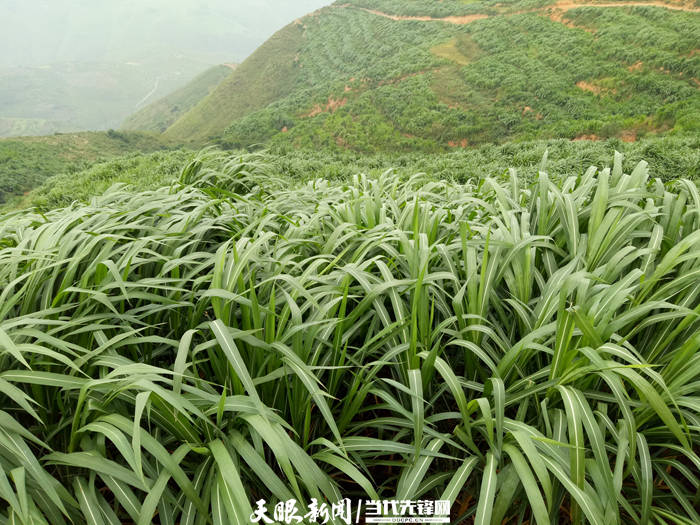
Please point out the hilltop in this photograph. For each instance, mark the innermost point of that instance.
(388, 75)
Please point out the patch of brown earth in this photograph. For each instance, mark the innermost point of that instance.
(592, 87)
(528, 109)
(567, 5)
(458, 20)
(587, 86)
(629, 135)
(332, 105)
(557, 15)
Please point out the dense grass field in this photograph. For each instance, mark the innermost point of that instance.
(523, 346)
(669, 158)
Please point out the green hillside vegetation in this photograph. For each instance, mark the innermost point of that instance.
(668, 158)
(346, 78)
(140, 171)
(161, 114)
(264, 77)
(26, 162)
(523, 347)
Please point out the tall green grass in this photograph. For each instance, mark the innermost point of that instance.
(526, 351)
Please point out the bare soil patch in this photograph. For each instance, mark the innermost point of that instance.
(587, 86)
(332, 105)
(628, 135)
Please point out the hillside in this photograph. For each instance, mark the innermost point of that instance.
(161, 114)
(378, 75)
(26, 162)
(268, 75)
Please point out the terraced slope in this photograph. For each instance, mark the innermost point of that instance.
(377, 75)
(160, 115)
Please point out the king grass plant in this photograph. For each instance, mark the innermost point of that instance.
(525, 350)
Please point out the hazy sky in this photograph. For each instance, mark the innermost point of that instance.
(40, 32)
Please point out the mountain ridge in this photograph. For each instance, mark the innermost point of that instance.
(446, 63)
(161, 114)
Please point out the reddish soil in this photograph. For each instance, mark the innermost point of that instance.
(332, 105)
(629, 135)
(458, 20)
(568, 5)
(555, 11)
(587, 86)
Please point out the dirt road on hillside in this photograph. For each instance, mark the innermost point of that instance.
(559, 6)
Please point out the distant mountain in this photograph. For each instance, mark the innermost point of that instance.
(70, 65)
(160, 115)
(76, 96)
(390, 75)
